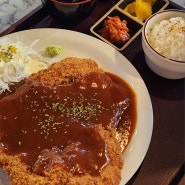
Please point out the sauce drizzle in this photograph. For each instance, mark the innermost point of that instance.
(58, 125)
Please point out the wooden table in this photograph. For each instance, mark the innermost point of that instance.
(165, 160)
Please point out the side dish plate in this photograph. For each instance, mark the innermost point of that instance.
(134, 24)
(80, 45)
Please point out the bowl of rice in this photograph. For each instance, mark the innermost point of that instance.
(163, 42)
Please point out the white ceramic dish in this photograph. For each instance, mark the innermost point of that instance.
(81, 45)
(161, 65)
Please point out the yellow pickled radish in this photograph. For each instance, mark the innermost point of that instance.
(143, 10)
(130, 8)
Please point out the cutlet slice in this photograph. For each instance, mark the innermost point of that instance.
(19, 174)
(66, 71)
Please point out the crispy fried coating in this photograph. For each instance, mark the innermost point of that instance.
(67, 71)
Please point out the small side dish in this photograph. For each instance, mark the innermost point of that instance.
(115, 30)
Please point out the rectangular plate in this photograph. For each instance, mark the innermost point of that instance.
(134, 25)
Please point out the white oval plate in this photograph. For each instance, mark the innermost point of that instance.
(76, 44)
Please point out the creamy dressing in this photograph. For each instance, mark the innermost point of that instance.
(34, 66)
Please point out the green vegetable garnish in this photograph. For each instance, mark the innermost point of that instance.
(53, 50)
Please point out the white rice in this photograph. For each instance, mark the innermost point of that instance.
(168, 38)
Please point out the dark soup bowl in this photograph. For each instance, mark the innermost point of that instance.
(69, 11)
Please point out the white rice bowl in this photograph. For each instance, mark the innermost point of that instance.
(168, 38)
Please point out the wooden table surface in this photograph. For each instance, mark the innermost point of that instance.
(165, 160)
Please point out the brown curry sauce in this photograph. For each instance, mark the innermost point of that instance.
(57, 125)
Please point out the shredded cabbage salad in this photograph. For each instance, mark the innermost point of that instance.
(15, 62)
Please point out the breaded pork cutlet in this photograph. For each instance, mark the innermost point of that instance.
(110, 175)
(64, 72)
